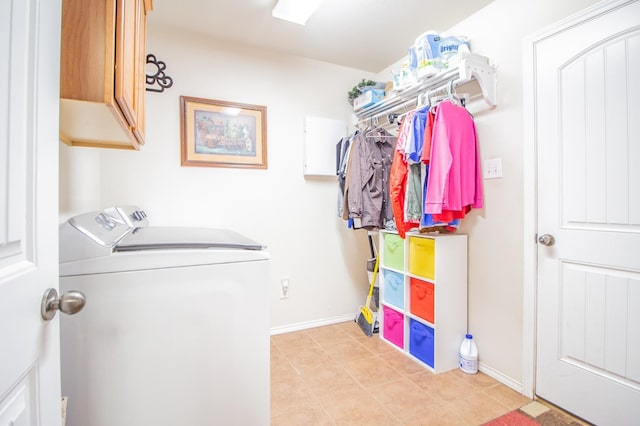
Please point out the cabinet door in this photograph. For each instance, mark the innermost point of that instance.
(141, 55)
(127, 30)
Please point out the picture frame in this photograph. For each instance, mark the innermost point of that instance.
(218, 133)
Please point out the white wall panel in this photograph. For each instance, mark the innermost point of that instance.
(600, 84)
(321, 136)
(633, 126)
(616, 134)
(15, 142)
(595, 319)
(615, 357)
(573, 155)
(599, 326)
(573, 313)
(596, 171)
(5, 46)
(633, 333)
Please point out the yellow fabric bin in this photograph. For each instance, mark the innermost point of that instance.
(393, 252)
(422, 257)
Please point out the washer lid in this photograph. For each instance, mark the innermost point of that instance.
(166, 238)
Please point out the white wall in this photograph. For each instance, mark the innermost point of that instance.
(496, 232)
(79, 180)
(295, 217)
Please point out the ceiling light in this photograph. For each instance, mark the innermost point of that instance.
(296, 11)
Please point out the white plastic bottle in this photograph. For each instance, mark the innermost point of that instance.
(468, 355)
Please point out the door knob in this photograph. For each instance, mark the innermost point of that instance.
(546, 240)
(69, 303)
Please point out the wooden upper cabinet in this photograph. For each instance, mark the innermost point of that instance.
(102, 72)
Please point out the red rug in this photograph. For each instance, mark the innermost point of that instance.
(514, 418)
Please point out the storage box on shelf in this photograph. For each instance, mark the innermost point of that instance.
(394, 288)
(368, 98)
(424, 296)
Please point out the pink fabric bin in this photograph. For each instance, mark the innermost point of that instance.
(393, 330)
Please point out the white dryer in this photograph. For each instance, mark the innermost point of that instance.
(175, 330)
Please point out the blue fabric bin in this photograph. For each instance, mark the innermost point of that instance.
(393, 288)
(421, 342)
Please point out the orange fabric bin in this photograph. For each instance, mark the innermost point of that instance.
(422, 299)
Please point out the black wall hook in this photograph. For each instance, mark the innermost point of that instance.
(159, 77)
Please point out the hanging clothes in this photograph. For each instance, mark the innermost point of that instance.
(455, 181)
(434, 178)
(342, 155)
(415, 143)
(369, 168)
(428, 132)
(398, 177)
(413, 151)
(413, 203)
(347, 180)
(428, 221)
(419, 133)
(435, 222)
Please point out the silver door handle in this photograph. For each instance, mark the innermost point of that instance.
(69, 303)
(546, 240)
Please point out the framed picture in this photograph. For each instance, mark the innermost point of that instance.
(223, 134)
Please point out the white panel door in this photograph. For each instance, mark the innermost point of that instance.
(29, 92)
(587, 106)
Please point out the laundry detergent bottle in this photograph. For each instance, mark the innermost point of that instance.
(468, 355)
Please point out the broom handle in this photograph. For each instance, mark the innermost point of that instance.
(373, 281)
(373, 251)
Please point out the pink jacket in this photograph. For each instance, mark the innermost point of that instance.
(455, 179)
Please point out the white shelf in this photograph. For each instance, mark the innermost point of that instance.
(449, 284)
(472, 68)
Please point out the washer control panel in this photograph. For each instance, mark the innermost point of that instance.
(138, 215)
(133, 216)
(110, 226)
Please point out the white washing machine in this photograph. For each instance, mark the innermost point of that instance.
(175, 330)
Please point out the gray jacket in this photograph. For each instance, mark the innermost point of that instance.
(368, 191)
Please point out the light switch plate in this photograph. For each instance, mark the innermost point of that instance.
(492, 168)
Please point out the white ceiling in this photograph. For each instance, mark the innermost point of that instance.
(364, 34)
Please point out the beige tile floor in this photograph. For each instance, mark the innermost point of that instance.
(335, 375)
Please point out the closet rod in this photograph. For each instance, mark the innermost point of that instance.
(410, 103)
(414, 102)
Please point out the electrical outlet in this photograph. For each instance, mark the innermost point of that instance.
(284, 288)
(492, 168)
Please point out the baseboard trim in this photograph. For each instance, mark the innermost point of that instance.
(311, 324)
(505, 380)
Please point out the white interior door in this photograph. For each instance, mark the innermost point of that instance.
(587, 106)
(29, 92)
